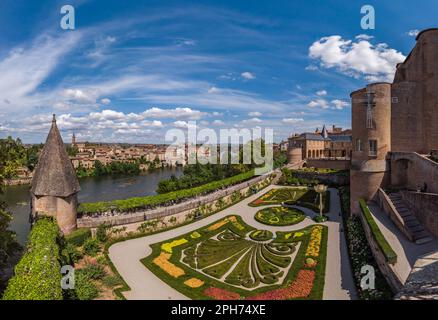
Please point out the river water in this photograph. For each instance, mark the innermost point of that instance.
(92, 189)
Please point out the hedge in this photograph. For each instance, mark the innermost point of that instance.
(138, 203)
(378, 236)
(78, 237)
(38, 273)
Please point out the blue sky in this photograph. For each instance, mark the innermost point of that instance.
(131, 70)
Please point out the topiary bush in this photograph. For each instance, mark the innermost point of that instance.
(79, 236)
(37, 275)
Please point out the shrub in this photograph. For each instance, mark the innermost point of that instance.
(71, 253)
(85, 289)
(93, 271)
(102, 232)
(37, 275)
(79, 236)
(91, 247)
(378, 236)
(112, 281)
(320, 218)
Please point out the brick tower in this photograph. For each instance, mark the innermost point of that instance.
(55, 185)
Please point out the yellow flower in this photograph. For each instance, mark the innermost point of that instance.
(219, 224)
(195, 234)
(169, 245)
(163, 262)
(315, 242)
(194, 283)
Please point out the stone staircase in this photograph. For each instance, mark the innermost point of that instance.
(419, 234)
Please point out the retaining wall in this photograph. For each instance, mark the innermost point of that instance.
(189, 206)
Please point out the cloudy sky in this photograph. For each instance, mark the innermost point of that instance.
(131, 70)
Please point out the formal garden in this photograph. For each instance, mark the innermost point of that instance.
(279, 216)
(229, 259)
(304, 197)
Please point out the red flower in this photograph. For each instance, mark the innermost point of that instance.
(300, 288)
(221, 294)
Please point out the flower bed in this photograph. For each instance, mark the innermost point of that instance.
(231, 260)
(303, 197)
(279, 216)
(261, 235)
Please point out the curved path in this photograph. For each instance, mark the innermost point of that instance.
(144, 284)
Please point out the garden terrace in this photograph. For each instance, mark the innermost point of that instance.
(279, 216)
(228, 259)
(166, 199)
(303, 197)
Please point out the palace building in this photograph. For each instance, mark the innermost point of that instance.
(320, 144)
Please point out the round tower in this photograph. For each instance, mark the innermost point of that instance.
(55, 185)
(371, 135)
(294, 152)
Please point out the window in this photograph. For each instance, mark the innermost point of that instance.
(358, 145)
(373, 147)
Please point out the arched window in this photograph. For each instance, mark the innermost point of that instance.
(309, 154)
(358, 145)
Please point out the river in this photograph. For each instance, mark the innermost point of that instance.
(92, 189)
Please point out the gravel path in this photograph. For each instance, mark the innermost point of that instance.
(145, 285)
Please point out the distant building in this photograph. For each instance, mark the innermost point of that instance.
(321, 144)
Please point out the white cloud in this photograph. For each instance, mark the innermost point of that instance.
(80, 95)
(339, 104)
(364, 37)
(292, 120)
(25, 68)
(184, 124)
(218, 123)
(213, 90)
(105, 101)
(321, 93)
(247, 75)
(356, 59)
(320, 103)
(255, 114)
(177, 113)
(413, 32)
(311, 68)
(252, 120)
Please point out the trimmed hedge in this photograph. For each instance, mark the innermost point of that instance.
(38, 274)
(79, 236)
(378, 236)
(139, 203)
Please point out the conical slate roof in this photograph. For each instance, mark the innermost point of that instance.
(324, 132)
(54, 175)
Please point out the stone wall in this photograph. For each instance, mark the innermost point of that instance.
(387, 206)
(425, 208)
(326, 178)
(187, 207)
(411, 170)
(395, 282)
(329, 164)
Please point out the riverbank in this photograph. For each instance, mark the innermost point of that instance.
(105, 188)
